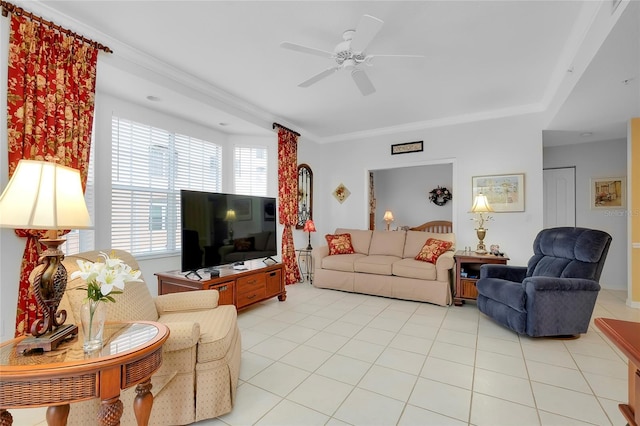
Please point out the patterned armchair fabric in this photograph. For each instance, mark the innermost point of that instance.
(201, 358)
(556, 293)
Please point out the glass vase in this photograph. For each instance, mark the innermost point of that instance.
(93, 315)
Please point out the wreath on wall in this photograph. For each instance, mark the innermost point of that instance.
(439, 196)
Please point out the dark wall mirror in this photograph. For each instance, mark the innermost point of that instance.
(305, 195)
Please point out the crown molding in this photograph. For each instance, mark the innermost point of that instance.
(440, 122)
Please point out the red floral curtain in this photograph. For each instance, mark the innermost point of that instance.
(288, 199)
(50, 99)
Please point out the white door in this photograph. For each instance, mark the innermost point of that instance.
(559, 197)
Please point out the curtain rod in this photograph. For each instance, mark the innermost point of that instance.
(285, 128)
(9, 7)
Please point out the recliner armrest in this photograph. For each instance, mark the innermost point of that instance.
(506, 272)
(560, 284)
(182, 335)
(196, 300)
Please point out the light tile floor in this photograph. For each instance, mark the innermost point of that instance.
(325, 357)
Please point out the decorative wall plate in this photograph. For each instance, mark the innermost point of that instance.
(341, 193)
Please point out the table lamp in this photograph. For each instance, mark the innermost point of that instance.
(46, 195)
(480, 206)
(230, 217)
(388, 217)
(309, 227)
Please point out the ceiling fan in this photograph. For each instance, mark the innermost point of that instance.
(349, 54)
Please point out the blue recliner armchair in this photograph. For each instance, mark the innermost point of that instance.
(556, 293)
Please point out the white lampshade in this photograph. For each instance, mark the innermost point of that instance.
(481, 204)
(43, 195)
(388, 216)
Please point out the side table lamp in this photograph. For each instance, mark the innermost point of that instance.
(480, 206)
(230, 217)
(309, 227)
(388, 217)
(43, 195)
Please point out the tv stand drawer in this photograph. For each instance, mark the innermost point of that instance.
(241, 288)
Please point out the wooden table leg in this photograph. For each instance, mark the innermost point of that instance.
(143, 402)
(110, 412)
(57, 415)
(5, 418)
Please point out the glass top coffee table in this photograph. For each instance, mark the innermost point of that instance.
(131, 353)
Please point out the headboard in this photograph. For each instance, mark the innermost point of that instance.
(436, 226)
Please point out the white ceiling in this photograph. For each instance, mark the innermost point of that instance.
(220, 62)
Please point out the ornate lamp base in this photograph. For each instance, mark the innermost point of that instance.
(481, 249)
(48, 341)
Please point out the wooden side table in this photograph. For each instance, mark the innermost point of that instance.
(131, 353)
(468, 271)
(626, 336)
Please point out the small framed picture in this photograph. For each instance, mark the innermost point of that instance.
(242, 206)
(608, 193)
(505, 193)
(405, 148)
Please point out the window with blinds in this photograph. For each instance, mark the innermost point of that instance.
(250, 170)
(150, 167)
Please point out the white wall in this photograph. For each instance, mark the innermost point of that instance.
(497, 146)
(394, 187)
(598, 159)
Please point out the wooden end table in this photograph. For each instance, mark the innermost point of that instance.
(626, 336)
(131, 353)
(468, 271)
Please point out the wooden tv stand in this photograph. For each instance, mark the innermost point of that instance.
(241, 288)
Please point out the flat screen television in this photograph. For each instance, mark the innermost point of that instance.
(220, 229)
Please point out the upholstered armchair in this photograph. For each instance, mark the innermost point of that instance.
(556, 293)
(201, 358)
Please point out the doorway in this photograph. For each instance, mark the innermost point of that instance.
(559, 197)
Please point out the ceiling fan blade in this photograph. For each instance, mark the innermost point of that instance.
(306, 49)
(366, 30)
(318, 77)
(363, 82)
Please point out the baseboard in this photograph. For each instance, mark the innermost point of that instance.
(632, 304)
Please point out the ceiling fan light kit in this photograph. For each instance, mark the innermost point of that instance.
(349, 54)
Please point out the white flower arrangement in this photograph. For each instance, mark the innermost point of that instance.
(104, 279)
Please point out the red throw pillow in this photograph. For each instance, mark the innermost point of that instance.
(432, 250)
(339, 244)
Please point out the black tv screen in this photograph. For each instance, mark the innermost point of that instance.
(220, 229)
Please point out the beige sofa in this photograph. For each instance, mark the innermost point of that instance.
(201, 357)
(383, 265)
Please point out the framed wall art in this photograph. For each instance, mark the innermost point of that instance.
(405, 148)
(242, 206)
(505, 193)
(608, 193)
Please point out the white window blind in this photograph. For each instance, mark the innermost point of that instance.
(150, 167)
(250, 170)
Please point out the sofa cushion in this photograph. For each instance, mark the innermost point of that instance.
(218, 328)
(416, 239)
(341, 262)
(375, 264)
(411, 268)
(432, 250)
(260, 240)
(360, 238)
(339, 244)
(387, 243)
